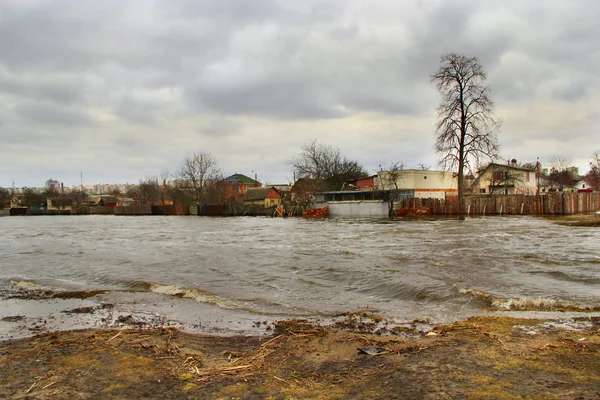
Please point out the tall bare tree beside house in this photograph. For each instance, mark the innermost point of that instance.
(466, 127)
(198, 174)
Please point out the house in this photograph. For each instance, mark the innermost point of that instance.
(102, 201)
(59, 203)
(235, 187)
(284, 187)
(366, 183)
(372, 196)
(506, 179)
(560, 180)
(262, 197)
(424, 184)
(582, 186)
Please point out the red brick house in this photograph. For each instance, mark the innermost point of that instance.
(236, 186)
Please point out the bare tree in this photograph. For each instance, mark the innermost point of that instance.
(561, 175)
(32, 198)
(147, 192)
(466, 127)
(79, 198)
(198, 173)
(389, 182)
(326, 165)
(592, 178)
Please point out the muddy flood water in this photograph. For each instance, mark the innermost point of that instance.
(237, 275)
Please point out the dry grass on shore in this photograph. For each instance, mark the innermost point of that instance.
(481, 358)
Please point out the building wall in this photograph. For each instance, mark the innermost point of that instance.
(431, 194)
(426, 184)
(358, 209)
(236, 191)
(365, 183)
(519, 181)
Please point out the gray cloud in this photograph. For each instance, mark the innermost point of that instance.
(51, 114)
(246, 79)
(66, 90)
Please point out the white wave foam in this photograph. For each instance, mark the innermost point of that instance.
(29, 286)
(538, 303)
(195, 294)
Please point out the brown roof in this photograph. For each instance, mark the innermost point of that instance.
(257, 194)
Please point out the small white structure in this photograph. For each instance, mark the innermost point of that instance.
(358, 209)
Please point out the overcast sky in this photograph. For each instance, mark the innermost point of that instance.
(122, 90)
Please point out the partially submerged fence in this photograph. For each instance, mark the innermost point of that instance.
(546, 204)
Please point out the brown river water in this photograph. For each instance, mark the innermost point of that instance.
(236, 275)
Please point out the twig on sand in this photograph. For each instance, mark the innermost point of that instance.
(271, 340)
(226, 369)
(282, 380)
(140, 339)
(221, 369)
(50, 384)
(114, 336)
(32, 386)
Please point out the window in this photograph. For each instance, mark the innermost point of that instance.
(500, 175)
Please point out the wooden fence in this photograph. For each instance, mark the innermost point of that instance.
(546, 204)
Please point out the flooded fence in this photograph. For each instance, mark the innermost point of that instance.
(545, 204)
(95, 210)
(133, 210)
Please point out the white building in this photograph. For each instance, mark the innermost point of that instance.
(506, 179)
(425, 184)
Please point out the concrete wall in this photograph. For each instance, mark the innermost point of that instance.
(4, 212)
(358, 209)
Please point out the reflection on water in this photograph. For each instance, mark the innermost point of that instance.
(440, 269)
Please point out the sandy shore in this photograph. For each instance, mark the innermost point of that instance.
(480, 358)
